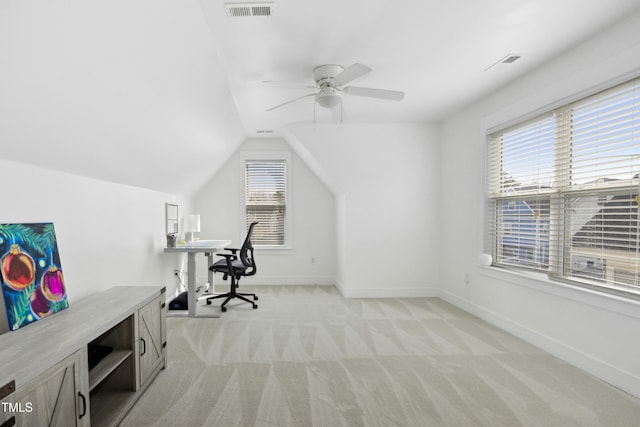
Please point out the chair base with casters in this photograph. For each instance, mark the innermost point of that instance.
(236, 264)
(233, 294)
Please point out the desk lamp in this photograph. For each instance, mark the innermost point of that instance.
(194, 226)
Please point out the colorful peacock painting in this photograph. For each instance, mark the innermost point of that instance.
(32, 281)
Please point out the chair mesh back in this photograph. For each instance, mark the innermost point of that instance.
(246, 252)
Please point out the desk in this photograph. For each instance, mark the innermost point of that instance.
(207, 247)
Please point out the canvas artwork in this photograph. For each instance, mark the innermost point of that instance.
(32, 281)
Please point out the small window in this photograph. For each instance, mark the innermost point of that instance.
(266, 200)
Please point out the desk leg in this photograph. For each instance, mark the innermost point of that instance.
(209, 272)
(191, 283)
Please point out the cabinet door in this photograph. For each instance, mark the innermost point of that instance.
(151, 345)
(58, 397)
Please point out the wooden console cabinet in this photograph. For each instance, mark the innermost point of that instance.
(45, 378)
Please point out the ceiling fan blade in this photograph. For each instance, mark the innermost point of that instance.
(290, 101)
(390, 95)
(353, 72)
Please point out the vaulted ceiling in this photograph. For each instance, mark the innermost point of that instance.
(158, 94)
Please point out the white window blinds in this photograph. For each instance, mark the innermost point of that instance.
(265, 201)
(563, 190)
(601, 205)
(521, 180)
(524, 158)
(605, 137)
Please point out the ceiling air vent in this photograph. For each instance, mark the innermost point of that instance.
(509, 59)
(249, 9)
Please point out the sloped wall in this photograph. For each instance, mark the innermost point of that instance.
(108, 234)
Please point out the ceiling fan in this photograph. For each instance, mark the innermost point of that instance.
(331, 80)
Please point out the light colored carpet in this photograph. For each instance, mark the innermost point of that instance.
(308, 357)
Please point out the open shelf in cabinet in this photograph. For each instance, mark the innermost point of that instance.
(112, 396)
(112, 379)
(106, 366)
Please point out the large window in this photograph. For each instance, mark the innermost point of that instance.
(266, 194)
(564, 192)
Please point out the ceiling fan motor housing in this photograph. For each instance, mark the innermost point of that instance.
(326, 73)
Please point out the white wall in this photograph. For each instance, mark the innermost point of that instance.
(385, 179)
(595, 332)
(108, 234)
(220, 203)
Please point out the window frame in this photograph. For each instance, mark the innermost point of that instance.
(269, 156)
(561, 244)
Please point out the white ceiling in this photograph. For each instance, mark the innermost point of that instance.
(435, 51)
(158, 94)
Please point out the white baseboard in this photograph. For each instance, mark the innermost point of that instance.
(340, 287)
(389, 292)
(288, 280)
(346, 292)
(613, 375)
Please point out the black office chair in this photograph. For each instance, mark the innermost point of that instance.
(236, 265)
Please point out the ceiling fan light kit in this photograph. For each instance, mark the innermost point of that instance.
(324, 76)
(328, 97)
(330, 80)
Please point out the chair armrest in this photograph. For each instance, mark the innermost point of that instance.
(229, 258)
(232, 250)
(232, 256)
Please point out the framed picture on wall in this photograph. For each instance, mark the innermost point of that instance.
(171, 215)
(32, 281)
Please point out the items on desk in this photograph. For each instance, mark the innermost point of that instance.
(172, 239)
(194, 227)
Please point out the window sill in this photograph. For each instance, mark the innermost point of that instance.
(541, 283)
(274, 250)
